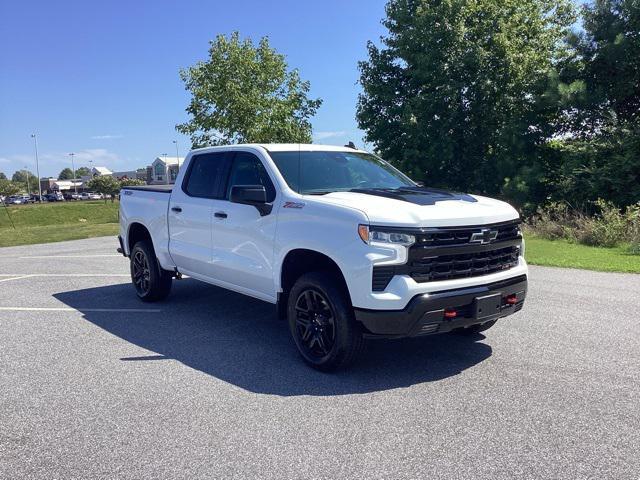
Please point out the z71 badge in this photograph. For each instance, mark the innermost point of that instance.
(293, 205)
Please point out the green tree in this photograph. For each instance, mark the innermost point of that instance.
(245, 93)
(83, 172)
(461, 93)
(8, 188)
(130, 182)
(65, 174)
(2, 176)
(21, 176)
(609, 53)
(106, 185)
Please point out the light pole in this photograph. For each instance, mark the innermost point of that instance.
(175, 142)
(26, 169)
(35, 143)
(73, 167)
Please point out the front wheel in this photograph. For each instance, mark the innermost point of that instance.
(151, 282)
(321, 322)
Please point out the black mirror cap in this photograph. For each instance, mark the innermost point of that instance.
(255, 195)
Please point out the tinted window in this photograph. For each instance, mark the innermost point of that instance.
(322, 172)
(205, 172)
(247, 169)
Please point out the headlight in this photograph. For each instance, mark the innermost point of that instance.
(380, 236)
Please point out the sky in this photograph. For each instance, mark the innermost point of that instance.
(100, 79)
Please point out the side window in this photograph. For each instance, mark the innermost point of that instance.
(247, 169)
(204, 175)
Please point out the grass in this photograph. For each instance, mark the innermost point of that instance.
(561, 253)
(56, 222)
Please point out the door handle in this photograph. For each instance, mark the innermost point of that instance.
(176, 209)
(220, 215)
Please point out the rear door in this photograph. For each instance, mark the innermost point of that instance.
(190, 213)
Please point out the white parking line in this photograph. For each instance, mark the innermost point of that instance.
(24, 275)
(81, 310)
(73, 256)
(15, 278)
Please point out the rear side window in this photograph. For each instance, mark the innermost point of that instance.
(247, 169)
(204, 175)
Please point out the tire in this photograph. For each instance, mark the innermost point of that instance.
(151, 282)
(477, 328)
(321, 322)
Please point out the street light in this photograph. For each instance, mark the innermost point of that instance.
(35, 143)
(175, 142)
(73, 166)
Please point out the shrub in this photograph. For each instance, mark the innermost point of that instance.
(608, 227)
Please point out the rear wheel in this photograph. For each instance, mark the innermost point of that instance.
(321, 322)
(151, 282)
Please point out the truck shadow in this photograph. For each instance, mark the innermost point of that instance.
(241, 341)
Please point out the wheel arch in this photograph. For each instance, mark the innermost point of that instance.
(137, 232)
(299, 261)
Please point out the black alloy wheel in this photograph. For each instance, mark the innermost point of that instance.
(315, 323)
(321, 321)
(141, 273)
(151, 282)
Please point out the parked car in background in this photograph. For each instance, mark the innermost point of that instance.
(54, 197)
(16, 200)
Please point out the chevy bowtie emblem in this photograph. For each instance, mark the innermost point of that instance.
(485, 235)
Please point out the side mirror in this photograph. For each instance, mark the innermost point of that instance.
(255, 195)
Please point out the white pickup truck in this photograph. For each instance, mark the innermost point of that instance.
(344, 244)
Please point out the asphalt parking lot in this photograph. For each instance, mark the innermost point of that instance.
(95, 384)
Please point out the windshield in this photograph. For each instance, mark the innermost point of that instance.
(325, 172)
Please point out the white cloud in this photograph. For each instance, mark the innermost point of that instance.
(325, 135)
(52, 163)
(106, 137)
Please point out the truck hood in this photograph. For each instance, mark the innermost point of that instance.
(422, 207)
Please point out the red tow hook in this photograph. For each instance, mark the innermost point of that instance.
(511, 299)
(450, 313)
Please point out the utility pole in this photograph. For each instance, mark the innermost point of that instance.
(73, 167)
(26, 169)
(35, 143)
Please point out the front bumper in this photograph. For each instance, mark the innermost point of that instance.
(425, 314)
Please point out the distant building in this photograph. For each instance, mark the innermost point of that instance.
(131, 174)
(100, 171)
(163, 170)
(67, 186)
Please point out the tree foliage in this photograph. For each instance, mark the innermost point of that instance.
(462, 92)
(130, 182)
(65, 174)
(8, 188)
(104, 184)
(609, 57)
(2, 176)
(22, 175)
(82, 172)
(245, 93)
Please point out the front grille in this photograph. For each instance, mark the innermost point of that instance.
(449, 267)
(449, 253)
(440, 237)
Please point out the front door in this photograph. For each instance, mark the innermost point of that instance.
(190, 213)
(243, 239)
